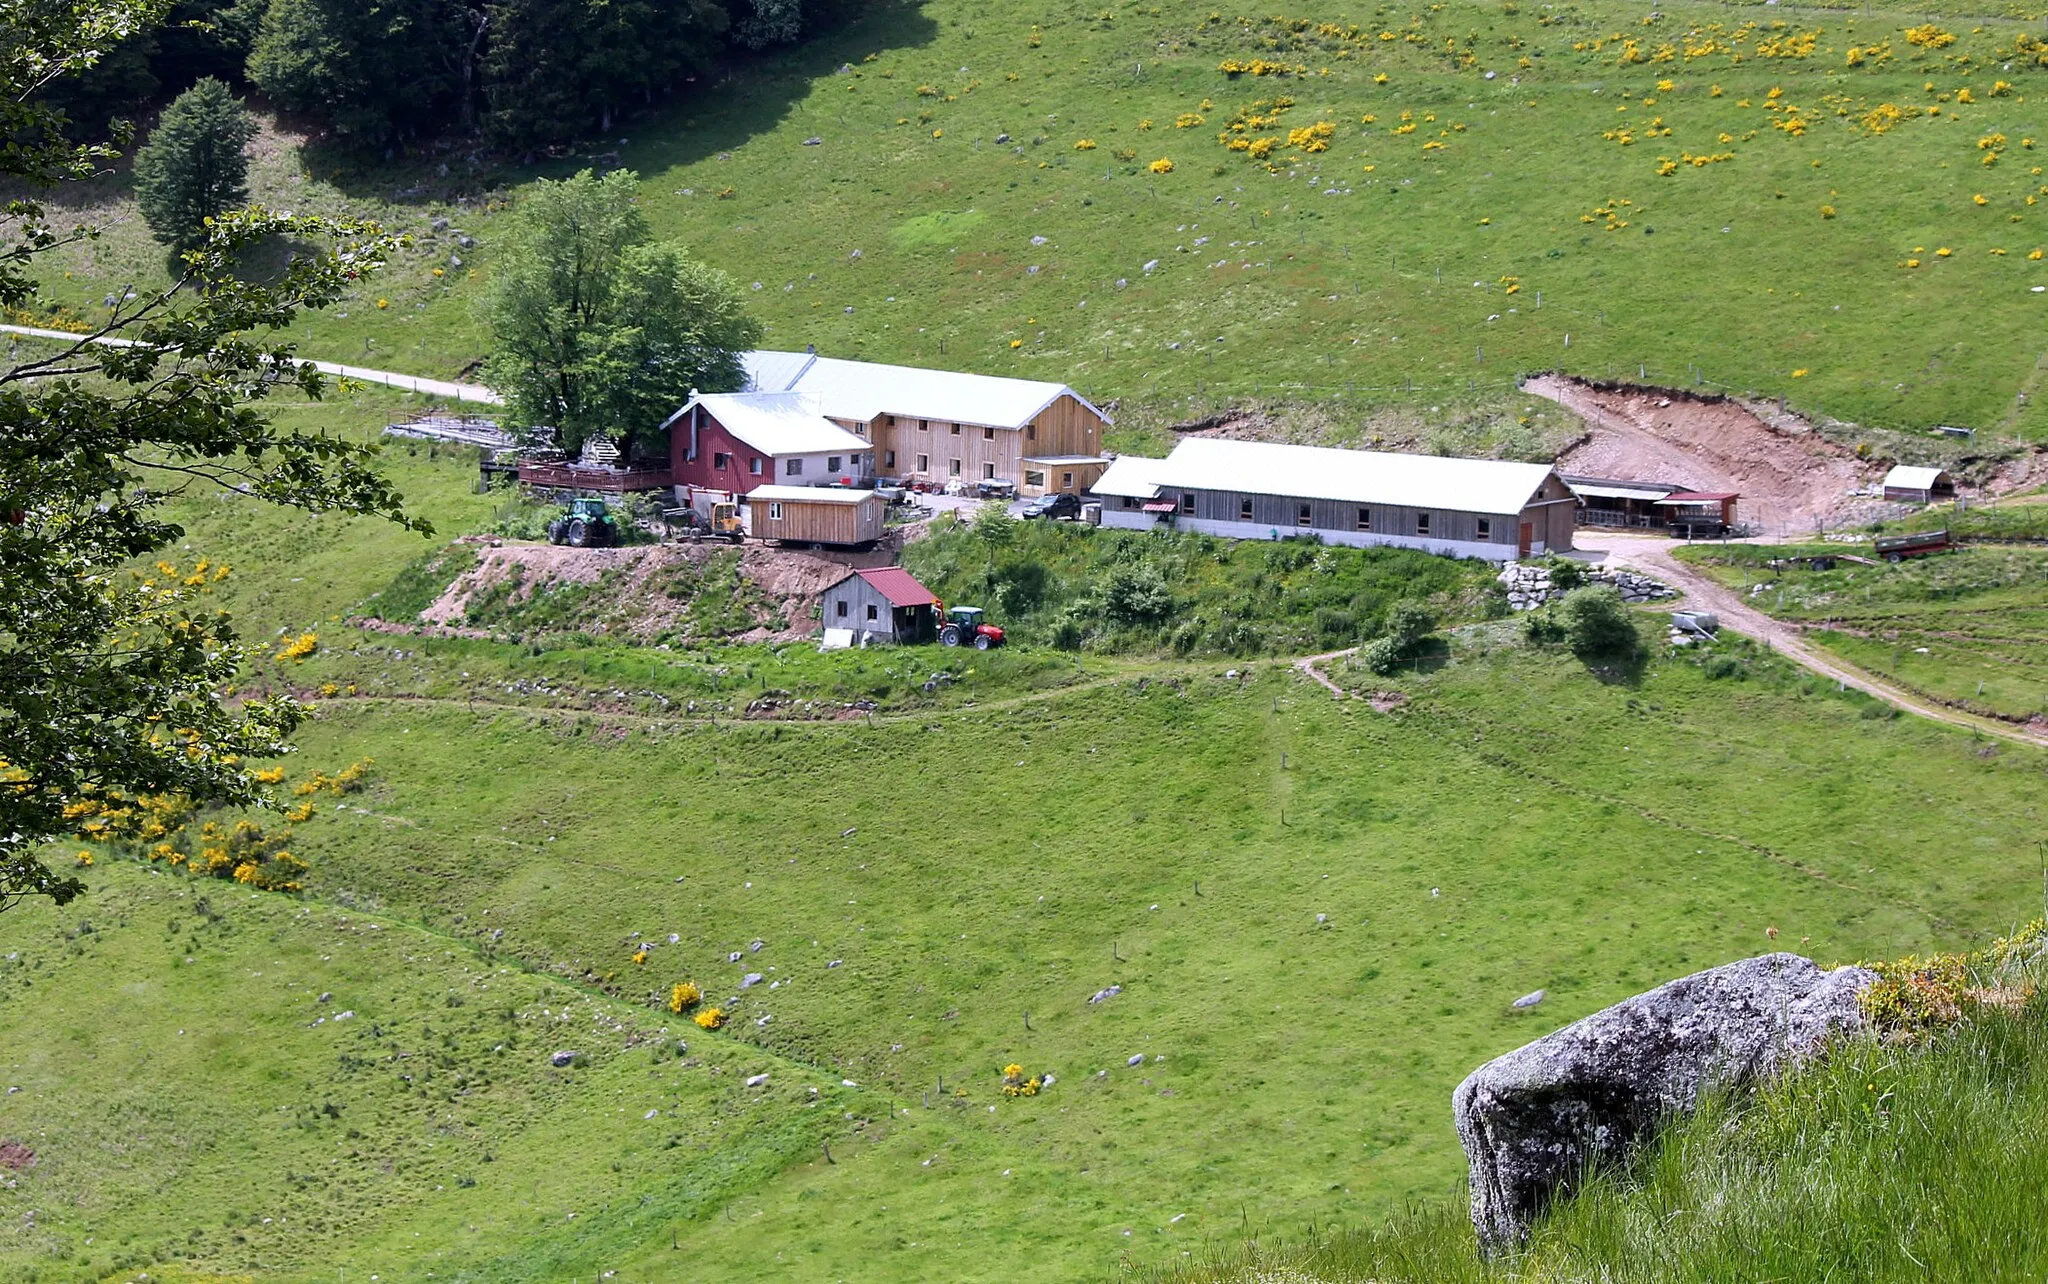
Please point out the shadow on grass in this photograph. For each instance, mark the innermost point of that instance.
(712, 114)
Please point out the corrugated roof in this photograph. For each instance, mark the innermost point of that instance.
(1907, 477)
(1131, 476)
(1698, 496)
(777, 423)
(1606, 491)
(810, 494)
(861, 390)
(1345, 476)
(898, 585)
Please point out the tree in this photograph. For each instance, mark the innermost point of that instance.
(596, 330)
(558, 69)
(1597, 623)
(770, 22)
(112, 676)
(376, 72)
(194, 165)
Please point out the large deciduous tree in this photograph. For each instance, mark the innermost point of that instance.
(598, 331)
(195, 164)
(556, 69)
(376, 71)
(112, 670)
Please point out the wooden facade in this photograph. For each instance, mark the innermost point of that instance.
(854, 603)
(939, 450)
(816, 515)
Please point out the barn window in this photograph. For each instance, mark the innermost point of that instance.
(924, 463)
(888, 421)
(720, 460)
(1304, 515)
(924, 425)
(988, 472)
(1422, 523)
(841, 612)
(872, 613)
(1365, 519)
(1130, 502)
(987, 433)
(793, 467)
(754, 465)
(1485, 528)
(774, 512)
(953, 467)
(956, 430)
(1066, 481)
(831, 463)
(1244, 509)
(1031, 432)
(888, 459)
(1034, 479)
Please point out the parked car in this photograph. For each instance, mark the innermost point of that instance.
(995, 488)
(1055, 506)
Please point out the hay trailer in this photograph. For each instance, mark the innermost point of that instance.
(827, 515)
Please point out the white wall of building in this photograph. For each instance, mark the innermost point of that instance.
(1133, 519)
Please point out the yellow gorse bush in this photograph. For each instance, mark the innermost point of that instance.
(684, 996)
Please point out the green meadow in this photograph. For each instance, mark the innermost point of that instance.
(1831, 206)
(1317, 913)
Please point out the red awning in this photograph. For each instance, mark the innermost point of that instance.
(1163, 506)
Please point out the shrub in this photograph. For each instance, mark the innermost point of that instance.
(1724, 666)
(1566, 574)
(1543, 629)
(1335, 626)
(1408, 622)
(1136, 594)
(1382, 655)
(1597, 622)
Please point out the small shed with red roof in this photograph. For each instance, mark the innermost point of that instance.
(880, 604)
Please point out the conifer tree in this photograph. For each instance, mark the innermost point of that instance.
(194, 165)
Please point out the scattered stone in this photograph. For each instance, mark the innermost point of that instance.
(1002, 138)
(650, 1114)
(1531, 999)
(849, 831)
(1110, 993)
(733, 957)
(1532, 1120)
(813, 141)
(756, 1080)
(1529, 586)
(756, 947)
(563, 1058)
(1137, 1059)
(324, 998)
(1038, 240)
(750, 980)
(835, 963)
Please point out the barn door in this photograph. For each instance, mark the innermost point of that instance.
(1528, 532)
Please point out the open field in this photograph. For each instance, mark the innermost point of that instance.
(1969, 628)
(1474, 192)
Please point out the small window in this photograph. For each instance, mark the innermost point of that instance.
(953, 467)
(1303, 515)
(1031, 432)
(1244, 509)
(924, 425)
(720, 460)
(888, 421)
(774, 512)
(831, 463)
(1365, 519)
(1187, 502)
(1485, 528)
(754, 465)
(888, 459)
(841, 612)
(872, 614)
(793, 467)
(988, 434)
(1066, 481)
(1130, 502)
(956, 430)
(1422, 523)
(1034, 479)
(988, 472)
(924, 463)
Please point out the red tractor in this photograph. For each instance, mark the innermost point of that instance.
(963, 627)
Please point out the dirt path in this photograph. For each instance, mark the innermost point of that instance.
(1312, 666)
(1652, 555)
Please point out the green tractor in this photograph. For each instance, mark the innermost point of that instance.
(585, 523)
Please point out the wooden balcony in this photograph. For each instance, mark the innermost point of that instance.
(610, 481)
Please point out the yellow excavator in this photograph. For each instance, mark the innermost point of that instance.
(721, 521)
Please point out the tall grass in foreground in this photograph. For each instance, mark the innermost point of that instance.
(1924, 1161)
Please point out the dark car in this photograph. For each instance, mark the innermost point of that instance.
(1054, 506)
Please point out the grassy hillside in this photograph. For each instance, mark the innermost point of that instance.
(1831, 206)
(1966, 628)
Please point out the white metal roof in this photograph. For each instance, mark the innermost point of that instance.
(1619, 492)
(778, 423)
(810, 494)
(1346, 476)
(1134, 476)
(861, 390)
(1906, 477)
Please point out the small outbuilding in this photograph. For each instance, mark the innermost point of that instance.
(879, 605)
(1911, 485)
(816, 515)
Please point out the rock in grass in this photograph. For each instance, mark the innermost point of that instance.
(1532, 1120)
(563, 1058)
(756, 1080)
(750, 980)
(1531, 999)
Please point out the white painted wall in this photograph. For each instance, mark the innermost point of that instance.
(1133, 519)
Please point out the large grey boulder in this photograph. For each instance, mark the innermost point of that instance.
(1533, 1120)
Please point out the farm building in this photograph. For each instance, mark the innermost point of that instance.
(740, 442)
(1918, 485)
(1698, 513)
(1257, 490)
(816, 514)
(938, 425)
(1609, 501)
(885, 604)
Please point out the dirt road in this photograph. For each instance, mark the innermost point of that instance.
(1652, 555)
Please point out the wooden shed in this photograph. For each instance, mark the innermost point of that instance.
(1918, 485)
(884, 604)
(815, 515)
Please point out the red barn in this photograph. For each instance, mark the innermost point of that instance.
(738, 441)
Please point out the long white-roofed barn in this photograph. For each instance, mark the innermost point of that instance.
(1486, 508)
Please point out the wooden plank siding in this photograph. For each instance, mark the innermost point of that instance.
(818, 522)
(853, 603)
(940, 450)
